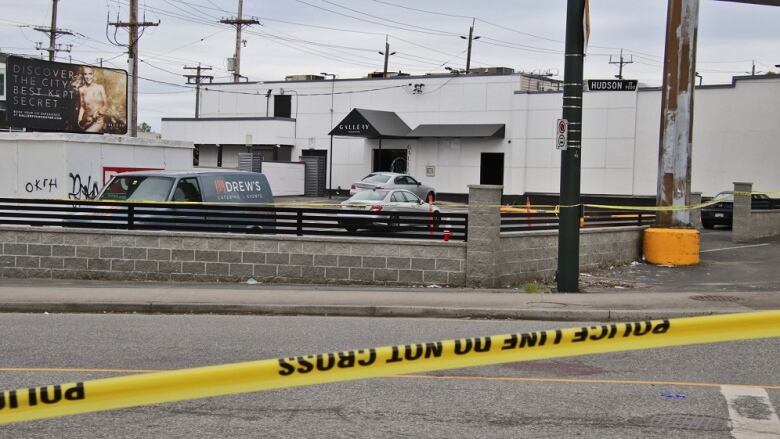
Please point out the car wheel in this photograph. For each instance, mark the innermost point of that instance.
(430, 198)
(708, 225)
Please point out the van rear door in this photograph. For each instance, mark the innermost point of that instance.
(244, 188)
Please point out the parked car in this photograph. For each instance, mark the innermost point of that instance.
(195, 186)
(722, 212)
(397, 202)
(392, 180)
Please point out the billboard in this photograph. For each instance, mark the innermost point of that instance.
(51, 96)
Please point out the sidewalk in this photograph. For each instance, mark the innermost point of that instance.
(122, 297)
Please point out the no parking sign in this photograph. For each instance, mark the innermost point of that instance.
(561, 133)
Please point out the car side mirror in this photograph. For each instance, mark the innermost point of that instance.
(419, 202)
(418, 183)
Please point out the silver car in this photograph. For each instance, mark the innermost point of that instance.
(392, 180)
(397, 201)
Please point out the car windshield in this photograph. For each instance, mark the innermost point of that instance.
(377, 178)
(369, 196)
(725, 196)
(135, 188)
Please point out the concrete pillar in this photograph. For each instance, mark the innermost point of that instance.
(482, 248)
(740, 230)
(696, 213)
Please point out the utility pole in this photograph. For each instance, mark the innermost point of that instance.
(197, 80)
(621, 62)
(132, 54)
(53, 32)
(471, 37)
(239, 23)
(674, 161)
(568, 224)
(387, 54)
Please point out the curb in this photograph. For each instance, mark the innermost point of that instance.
(357, 311)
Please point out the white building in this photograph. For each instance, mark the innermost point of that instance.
(451, 141)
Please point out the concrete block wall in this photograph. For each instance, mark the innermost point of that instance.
(749, 224)
(534, 255)
(192, 257)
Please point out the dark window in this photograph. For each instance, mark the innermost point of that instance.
(491, 169)
(187, 190)
(410, 197)
(282, 105)
(137, 189)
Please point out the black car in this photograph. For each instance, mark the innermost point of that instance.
(722, 212)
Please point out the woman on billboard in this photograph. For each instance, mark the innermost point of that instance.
(93, 103)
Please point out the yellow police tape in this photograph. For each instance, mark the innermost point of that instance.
(177, 385)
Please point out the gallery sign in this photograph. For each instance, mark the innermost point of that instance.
(51, 96)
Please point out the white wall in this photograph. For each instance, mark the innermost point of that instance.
(56, 165)
(285, 178)
(210, 131)
(735, 131)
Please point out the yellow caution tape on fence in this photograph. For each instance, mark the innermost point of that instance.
(178, 385)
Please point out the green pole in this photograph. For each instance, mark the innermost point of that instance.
(569, 227)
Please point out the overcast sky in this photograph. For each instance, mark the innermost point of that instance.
(344, 36)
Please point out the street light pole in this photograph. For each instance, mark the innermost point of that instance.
(330, 153)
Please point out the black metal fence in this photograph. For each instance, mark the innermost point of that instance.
(523, 220)
(233, 218)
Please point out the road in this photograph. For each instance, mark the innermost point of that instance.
(673, 392)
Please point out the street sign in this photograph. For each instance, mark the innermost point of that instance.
(612, 84)
(561, 133)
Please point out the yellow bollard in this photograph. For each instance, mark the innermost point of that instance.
(669, 246)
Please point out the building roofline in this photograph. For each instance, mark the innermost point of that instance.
(394, 78)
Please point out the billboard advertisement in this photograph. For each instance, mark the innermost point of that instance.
(51, 96)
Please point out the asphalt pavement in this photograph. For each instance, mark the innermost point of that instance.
(731, 278)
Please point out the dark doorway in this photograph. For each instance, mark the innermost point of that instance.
(390, 160)
(314, 184)
(491, 168)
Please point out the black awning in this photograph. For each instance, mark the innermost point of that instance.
(371, 124)
(494, 130)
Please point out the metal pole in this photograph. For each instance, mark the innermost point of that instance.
(674, 167)
(568, 228)
(330, 153)
(197, 93)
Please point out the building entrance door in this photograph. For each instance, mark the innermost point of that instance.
(390, 160)
(491, 168)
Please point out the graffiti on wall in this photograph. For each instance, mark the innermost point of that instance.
(41, 185)
(83, 188)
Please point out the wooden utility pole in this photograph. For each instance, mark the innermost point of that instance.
(674, 158)
(132, 54)
(471, 37)
(621, 63)
(239, 23)
(197, 81)
(53, 32)
(387, 54)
